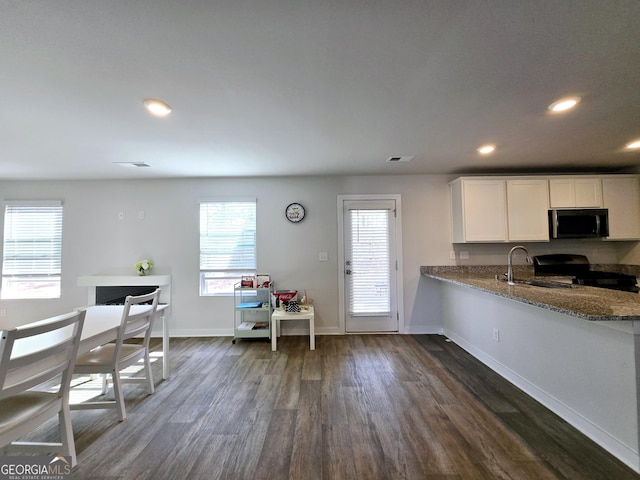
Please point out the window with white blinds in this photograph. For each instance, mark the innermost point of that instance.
(370, 280)
(32, 250)
(227, 244)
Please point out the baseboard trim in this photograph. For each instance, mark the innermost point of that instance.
(227, 332)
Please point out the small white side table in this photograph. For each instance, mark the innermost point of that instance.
(279, 315)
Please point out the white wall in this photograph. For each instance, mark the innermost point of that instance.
(630, 253)
(96, 242)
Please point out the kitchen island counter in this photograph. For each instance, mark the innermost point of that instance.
(588, 303)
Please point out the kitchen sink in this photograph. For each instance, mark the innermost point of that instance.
(538, 283)
(542, 283)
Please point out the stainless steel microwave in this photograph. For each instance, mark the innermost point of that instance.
(579, 223)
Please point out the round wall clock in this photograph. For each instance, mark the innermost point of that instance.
(294, 212)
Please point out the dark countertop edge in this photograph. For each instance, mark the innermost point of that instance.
(521, 299)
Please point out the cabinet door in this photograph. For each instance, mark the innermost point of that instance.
(588, 192)
(621, 196)
(485, 212)
(527, 209)
(562, 193)
(575, 193)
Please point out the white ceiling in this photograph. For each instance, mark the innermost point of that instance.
(315, 87)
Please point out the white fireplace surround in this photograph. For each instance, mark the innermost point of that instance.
(93, 281)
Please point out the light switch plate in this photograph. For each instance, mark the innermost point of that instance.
(323, 257)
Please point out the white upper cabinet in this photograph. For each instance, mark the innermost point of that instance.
(479, 210)
(562, 193)
(515, 209)
(527, 207)
(572, 192)
(621, 196)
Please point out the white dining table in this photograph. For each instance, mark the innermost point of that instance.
(101, 324)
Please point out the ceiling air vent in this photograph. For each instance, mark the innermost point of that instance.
(400, 158)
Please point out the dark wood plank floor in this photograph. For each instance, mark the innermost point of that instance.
(359, 407)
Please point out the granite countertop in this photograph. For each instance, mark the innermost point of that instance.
(589, 303)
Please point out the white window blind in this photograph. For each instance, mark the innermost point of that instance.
(370, 280)
(227, 244)
(32, 250)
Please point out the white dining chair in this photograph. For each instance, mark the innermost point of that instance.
(36, 365)
(110, 359)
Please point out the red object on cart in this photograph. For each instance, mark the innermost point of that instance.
(285, 295)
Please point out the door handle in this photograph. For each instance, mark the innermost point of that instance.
(347, 272)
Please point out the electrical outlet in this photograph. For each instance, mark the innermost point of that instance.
(452, 254)
(496, 334)
(3, 312)
(464, 255)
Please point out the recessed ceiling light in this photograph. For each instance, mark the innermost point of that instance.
(486, 149)
(157, 107)
(635, 145)
(564, 104)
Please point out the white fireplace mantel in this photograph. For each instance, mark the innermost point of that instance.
(162, 281)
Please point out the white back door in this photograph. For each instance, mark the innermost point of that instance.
(370, 266)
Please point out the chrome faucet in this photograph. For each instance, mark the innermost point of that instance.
(510, 262)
